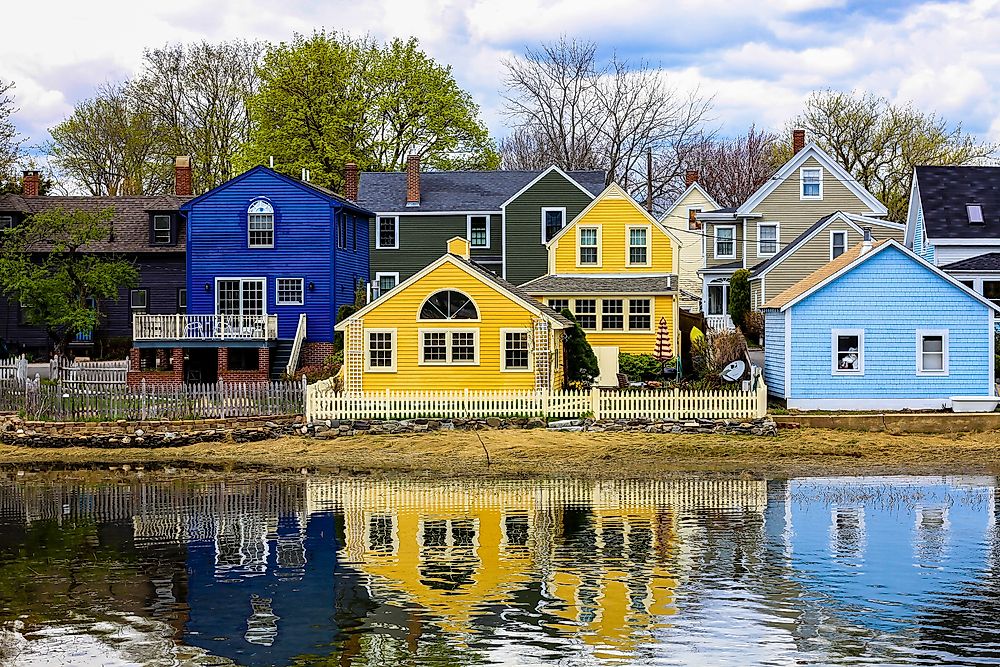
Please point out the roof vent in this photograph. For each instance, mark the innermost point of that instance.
(975, 212)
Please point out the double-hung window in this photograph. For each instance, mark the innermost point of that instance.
(586, 313)
(694, 224)
(767, 239)
(449, 346)
(260, 225)
(638, 246)
(139, 300)
(479, 231)
(182, 299)
(811, 179)
(932, 352)
(612, 315)
(848, 351)
(838, 244)
(289, 291)
(515, 349)
(381, 350)
(387, 234)
(553, 220)
(589, 241)
(161, 230)
(725, 241)
(639, 315)
(384, 282)
(342, 230)
(558, 305)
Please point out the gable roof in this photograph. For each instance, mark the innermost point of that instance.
(811, 150)
(130, 221)
(944, 193)
(855, 221)
(694, 187)
(514, 292)
(615, 191)
(440, 191)
(847, 262)
(317, 189)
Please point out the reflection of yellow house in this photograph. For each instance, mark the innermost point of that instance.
(614, 267)
(453, 325)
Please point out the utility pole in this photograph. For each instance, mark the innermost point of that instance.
(649, 180)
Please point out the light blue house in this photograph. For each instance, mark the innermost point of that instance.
(878, 328)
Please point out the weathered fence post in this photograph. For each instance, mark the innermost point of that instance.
(143, 407)
(305, 398)
(220, 387)
(595, 402)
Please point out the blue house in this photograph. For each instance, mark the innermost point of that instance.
(270, 259)
(878, 328)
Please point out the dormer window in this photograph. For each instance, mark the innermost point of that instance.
(811, 179)
(162, 233)
(260, 225)
(6, 221)
(975, 213)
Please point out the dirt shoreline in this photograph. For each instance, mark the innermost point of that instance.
(538, 453)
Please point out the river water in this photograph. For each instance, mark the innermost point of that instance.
(121, 570)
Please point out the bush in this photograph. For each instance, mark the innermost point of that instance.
(753, 325)
(316, 372)
(640, 367)
(113, 348)
(581, 362)
(711, 353)
(343, 313)
(739, 296)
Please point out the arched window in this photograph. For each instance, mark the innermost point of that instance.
(448, 305)
(260, 225)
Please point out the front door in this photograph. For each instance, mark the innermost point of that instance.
(607, 365)
(240, 296)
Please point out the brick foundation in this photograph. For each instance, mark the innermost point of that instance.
(313, 354)
(172, 378)
(262, 374)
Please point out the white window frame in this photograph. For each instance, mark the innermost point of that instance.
(860, 333)
(271, 213)
(920, 335)
(144, 308)
(802, 184)
(277, 292)
(629, 246)
(567, 299)
(242, 280)
(169, 230)
(479, 312)
(628, 313)
(447, 345)
(715, 242)
(468, 230)
(777, 238)
(546, 209)
(395, 350)
(182, 307)
(833, 235)
(378, 280)
(699, 209)
(599, 263)
(503, 350)
(378, 232)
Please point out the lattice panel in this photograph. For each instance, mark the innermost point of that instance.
(354, 360)
(543, 354)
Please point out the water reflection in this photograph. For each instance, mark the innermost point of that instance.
(358, 572)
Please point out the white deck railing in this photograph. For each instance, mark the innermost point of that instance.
(719, 322)
(204, 327)
(300, 336)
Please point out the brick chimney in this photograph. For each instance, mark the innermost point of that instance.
(413, 180)
(351, 181)
(798, 140)
(690, 176)
(31, 184)
(182, 176)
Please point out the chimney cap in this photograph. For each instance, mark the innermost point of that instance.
(182, 161)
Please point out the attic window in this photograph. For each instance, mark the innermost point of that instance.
(975, 212)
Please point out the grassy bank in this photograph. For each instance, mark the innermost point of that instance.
(542, 453)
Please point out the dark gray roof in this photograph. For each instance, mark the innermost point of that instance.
(130, 221)
(988, 262)
(601, 285)
(790, 247)
(456, 190)
(514, 289)
(724, 267)
(728, 209)
(944, 193)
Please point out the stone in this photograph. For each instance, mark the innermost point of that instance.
(321, 429)
(536, 422)
(139, 432)
(493, 422)
(361, 426)
(560, 423)
(567, 428)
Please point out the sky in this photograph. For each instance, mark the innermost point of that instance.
(757, 64)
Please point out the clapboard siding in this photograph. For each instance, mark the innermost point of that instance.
(710, 259)
(774, 352)
(526, 255)
(692, 246)
(422, 239)
(890, 296)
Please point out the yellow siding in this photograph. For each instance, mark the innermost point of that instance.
(399, 309)
(613, 215)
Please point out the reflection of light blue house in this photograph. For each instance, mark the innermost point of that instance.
(878, 328)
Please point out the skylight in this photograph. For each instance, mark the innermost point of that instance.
(975, 212)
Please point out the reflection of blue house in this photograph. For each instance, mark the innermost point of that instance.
(265, 600)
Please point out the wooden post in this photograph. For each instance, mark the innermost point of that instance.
(142, 400)
(595, 402)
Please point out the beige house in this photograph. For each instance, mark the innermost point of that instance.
(681, 218)
(781, 213)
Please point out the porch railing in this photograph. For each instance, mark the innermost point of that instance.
(204, 327)
(719, 322)
(300, 337)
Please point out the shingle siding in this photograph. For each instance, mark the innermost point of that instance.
(774, 352)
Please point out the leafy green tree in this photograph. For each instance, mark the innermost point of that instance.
(880, 142)
(45, 267)
(580, 360)
(739, 296)
(329, 99)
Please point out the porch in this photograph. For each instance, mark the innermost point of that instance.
(203, 328)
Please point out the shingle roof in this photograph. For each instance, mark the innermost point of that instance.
(723, 267)
(818, 276)
(987, 262)
(514, 289)
(456, 190)
(130, 222)
(727, 209)
(944, 193)
(601, 285)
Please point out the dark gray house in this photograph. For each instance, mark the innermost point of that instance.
(150, 231)
(507, 216)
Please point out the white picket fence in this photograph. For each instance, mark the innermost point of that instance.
(14, 368)
(324, 403)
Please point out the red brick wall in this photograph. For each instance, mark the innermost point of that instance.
(413, 179)
(175, 378)
(313, 354)
(260, 375)
(182, 176)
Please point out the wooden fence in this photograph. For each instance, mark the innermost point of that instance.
(59, 402)
(324, 403)
(14, 368)
(88, 373)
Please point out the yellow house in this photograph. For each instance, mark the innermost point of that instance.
(453, 325)
(614, 267)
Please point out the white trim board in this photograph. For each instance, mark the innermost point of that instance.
(941, 403)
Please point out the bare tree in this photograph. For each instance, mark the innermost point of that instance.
(10, 139)
(525, 148)
(733, 169)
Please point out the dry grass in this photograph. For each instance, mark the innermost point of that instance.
(543, 453)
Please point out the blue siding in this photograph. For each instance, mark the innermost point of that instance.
(920, 245)
(774, 352)
(304, 247)
(890, 296)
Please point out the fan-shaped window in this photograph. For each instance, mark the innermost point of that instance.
(260, 225)
(448, 305)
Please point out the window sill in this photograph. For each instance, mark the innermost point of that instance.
(290, 303)
(516, 370)
(447, 364)
(380, 370)
(848, 374)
